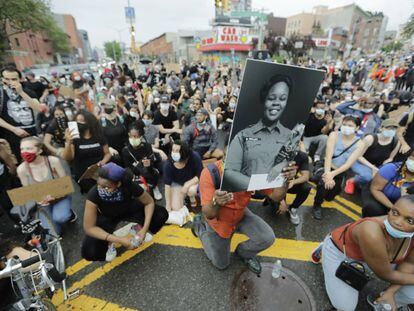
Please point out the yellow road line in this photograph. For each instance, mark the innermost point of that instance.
(77, 267)
(350, 204)
(87, 303)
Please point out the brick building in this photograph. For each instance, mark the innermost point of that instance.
(276, 25)
(161, 46)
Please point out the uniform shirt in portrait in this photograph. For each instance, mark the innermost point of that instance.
(87, 152)
(254, 149)
(230, 214)
(17, 112)
(314, 126)
(166, 121)
(109, 209)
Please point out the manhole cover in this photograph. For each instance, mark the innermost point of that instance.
(287, 293)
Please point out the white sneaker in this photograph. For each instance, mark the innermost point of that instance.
(157, 194)
(136, 228)
(293, 216)
(316, 158)
(110, 253)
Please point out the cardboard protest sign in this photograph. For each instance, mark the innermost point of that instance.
(273, 105)
(57, 188)
(90, 173)
(67, 92)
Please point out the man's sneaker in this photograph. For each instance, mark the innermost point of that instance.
(316, 254)
(111, 252)
(253, 264)
(293, 216)
(157, 194)
(74, 216)
(196, 224)
(317, 212)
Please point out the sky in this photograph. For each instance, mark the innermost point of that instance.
(104, 19)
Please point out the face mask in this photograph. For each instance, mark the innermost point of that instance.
(77, 78)
(165, 107)
(395, 233)
(175, 156)
(61, 121)
(135, 142)
(389, 133)
(347, 130)
(28, 157)
(114, 196)
(134, 114)
(128, 85)
(232, 105)
(320, 112)
(82, 128)
(147, 122)
(410, 165)
(109, 110)
(62, 80)
(367, 110)
(156, 100)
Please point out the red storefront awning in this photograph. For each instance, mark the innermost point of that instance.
(226, 47)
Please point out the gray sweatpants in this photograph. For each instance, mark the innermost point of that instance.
(217, 249)
(342, 296)
(320, 140)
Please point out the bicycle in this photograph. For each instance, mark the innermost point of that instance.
(37, 224)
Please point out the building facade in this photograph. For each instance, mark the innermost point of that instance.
(301, 24)
(276, 25)
(68, 24)
(87, 50)
(161, 47)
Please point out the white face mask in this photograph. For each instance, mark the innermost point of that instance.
(347, 130)
(165, 107)
(320, 112)
(62, 80)
(128, 85)
(175, 156)
(232, 105)
(367, 110)
(156, 100)
(134, 114)
(410, 165)
(77, 78)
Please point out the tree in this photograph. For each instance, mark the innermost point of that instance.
(113, 50)
(34, 15)
(408, 30)
(393, 46)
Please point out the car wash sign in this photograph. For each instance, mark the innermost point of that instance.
(232, 35)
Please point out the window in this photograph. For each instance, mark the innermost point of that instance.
(16, 40)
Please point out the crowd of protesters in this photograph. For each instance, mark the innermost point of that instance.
(157, 137)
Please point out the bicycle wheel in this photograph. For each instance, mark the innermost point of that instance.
(47, 222)
(57, 255)
(47, 305)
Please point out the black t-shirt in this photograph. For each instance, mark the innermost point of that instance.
(115, 133)
(377, 154)
(131, 155)
(166, 121)
(18, 113)
(193, 168)
(87, 152)
(302, 161)
(36, 87)
(57, 133)
(313, 126)
(409, 133)
(118, 209)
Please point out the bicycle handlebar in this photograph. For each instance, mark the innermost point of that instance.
(11, 266)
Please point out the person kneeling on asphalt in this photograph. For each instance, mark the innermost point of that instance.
(383, 245)
(299, 186)
(116, 198)
(224, 213)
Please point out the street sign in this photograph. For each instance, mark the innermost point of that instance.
(130, 14)
(298, 44)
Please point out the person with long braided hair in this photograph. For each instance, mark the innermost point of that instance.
(392, 181)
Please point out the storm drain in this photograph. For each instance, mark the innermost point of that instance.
(287, 293)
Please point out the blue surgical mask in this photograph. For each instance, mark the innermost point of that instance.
(389, 133)
(395, 233)
(347, 130)
(410, 165)
(147, 122)
(175, 156)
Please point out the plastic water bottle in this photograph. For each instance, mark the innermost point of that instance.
(111, 252)
(135, 241)
(277, 269)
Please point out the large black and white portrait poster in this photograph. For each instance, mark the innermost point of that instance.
(274, 103)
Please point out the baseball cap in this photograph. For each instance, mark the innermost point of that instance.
(389, 123)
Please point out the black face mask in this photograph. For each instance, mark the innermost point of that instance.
(83, 127)
(62, 122)
(109, 110)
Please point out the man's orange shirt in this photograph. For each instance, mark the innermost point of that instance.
(230, 214)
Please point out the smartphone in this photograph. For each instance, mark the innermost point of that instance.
(73, 129)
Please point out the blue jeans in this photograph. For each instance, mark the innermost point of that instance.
(60, 212)
(363, 174)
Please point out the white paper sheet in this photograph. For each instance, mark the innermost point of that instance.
(259, 182)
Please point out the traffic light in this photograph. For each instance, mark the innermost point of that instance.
(219, 4)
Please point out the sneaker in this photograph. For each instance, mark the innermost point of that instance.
(293, 216)
(317, 212)
(157, 194)
(74, 217)
(136, 228)
(253, 264)
(350, 186)
(316, 254)
(110, 253)
(196, 223)
(378, 306)
(316, 158)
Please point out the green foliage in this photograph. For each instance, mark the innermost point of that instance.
(408, 30)
(33, 15)
(393, 46)
(113, 50)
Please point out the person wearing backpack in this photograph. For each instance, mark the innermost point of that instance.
(224, 213)
(201, 136)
